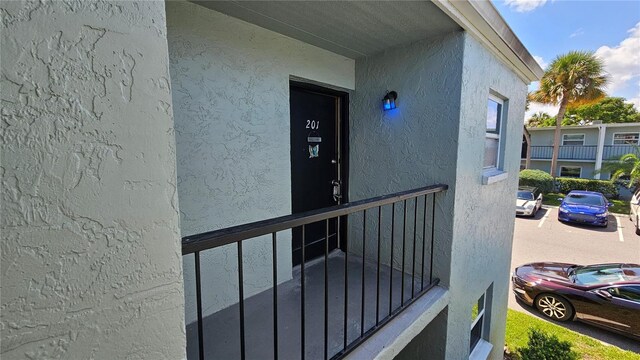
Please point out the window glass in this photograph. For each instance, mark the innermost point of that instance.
(570, 171)
(573, 139)
(477, 321)
(584, 199)
(494, 110)
(525, 195)
(631, 293)
(593, 275)
(492, 137)
(491, 147)
(626, 139)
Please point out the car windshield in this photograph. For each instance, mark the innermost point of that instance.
(602, 274)
(584, 199)
(525, 195)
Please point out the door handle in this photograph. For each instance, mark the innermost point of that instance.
(337, 190)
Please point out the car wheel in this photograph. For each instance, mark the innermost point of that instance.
(637, 230)
(554, 307)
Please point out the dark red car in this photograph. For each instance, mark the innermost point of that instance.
(605, 295)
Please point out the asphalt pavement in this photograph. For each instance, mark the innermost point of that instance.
(544, 238)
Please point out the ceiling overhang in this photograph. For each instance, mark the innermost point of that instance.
(358, 29)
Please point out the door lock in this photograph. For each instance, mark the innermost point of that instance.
(337, 190)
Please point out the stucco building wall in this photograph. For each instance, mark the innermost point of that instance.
(482, 236)
(230, 82)
(91, 260)
(411, 146)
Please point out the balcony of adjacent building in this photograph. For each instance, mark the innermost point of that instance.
(579, 152)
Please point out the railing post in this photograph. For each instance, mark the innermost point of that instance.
(326, 290)
(378, 269)
(433, 232)
(275, 295)
(241, 300)
(364, 241)
(199, 305)
(302, 312)
(393, 223)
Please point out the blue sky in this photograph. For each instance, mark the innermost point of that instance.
(611, 29)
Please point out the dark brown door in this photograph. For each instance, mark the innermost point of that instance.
(315, 165)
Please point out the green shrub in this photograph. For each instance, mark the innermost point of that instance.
(546, 347)
(608, 188)
(537, 178)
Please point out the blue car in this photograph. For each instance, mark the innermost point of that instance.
(585, 207)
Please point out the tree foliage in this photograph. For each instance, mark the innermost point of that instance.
(609, 110)
(628, 165)
(541, 119)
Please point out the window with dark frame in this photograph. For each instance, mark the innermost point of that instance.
(570, 171)
(477, 324)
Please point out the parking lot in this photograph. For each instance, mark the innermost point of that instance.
(544, 238)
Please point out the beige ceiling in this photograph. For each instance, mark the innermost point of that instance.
(350, 28)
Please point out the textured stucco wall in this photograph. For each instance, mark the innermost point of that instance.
(91, 261)
(545, 137)
(412, 146)
(483, 219)
(230, 82)
(588, 168)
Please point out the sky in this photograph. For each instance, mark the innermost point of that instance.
(610, 28)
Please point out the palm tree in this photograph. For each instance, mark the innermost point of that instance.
(539, 119)
(626, 165)
(573, 79)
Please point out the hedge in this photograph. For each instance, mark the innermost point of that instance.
(608, 188)
(537, 178)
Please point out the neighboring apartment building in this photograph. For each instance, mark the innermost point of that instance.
(138, 136)
(583, 148)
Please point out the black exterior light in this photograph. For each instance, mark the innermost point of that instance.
(389, 100)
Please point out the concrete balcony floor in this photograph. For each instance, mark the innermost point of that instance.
(222, 329)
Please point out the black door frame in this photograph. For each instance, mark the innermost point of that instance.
(343, 148)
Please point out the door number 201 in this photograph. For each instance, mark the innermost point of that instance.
(312, 124)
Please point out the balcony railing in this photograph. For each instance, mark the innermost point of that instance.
(356, 282)
(613, 152)
(584, 152)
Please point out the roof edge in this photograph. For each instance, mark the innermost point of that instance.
(483, 21)
(574, 127)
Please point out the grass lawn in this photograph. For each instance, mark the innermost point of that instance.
(619, 206)
(518, 325)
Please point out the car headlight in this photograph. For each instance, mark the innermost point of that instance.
(604, 214)
(563, 210)
(529, 206)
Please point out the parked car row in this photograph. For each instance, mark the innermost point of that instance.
(604, 295)
(583, 207)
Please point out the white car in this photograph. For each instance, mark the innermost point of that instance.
(529, 201)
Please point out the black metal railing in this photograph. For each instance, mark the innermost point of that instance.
(566, 152)
(423, 203)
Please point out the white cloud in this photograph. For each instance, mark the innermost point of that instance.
(622, 62)
(635, 101)
(524, 5)
(535, 108)
(578, 32)
(543, 64)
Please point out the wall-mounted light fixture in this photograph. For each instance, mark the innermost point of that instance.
(389, 100)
